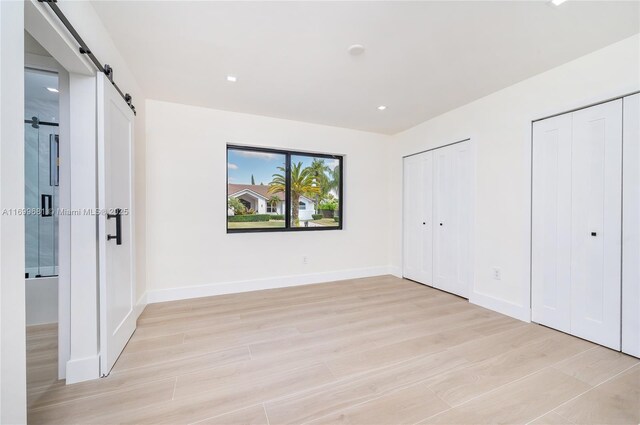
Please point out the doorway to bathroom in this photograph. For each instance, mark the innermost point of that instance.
(41, 153)
(44, 83)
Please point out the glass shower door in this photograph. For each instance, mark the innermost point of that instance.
(41, 199)
(32, 191)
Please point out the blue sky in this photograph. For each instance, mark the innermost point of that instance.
(242, 164)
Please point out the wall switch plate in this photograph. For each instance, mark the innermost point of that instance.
(305, 260)
(497, 273)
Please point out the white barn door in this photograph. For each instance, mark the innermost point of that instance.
(115, 226)
(551, 223)
(596, 223)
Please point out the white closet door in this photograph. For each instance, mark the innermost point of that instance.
(551, 224)
(631, 227)
(412, 251)
(426, 222)
(596, 223)
(417, 205)
(444, 220)
(452, 215)
(462, 243)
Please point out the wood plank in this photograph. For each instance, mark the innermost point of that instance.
(616, 401)
(518, 402)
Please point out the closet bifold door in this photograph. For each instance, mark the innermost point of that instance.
(631, 227)
(426, 225)
(417, 218)
(596, 223)
(551, 223)
(452, 218)
(411, 251)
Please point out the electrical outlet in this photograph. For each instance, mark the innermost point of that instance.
(497, 273)
(305, 260)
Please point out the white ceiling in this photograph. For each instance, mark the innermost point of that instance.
(291, 60)
(38, 101)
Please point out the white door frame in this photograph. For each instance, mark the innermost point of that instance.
(13, 404)
(472, 210)
(46, 63)
(78, 294)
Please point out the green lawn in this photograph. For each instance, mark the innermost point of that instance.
(326, 222)
(255, 224)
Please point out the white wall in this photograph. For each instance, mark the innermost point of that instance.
(186, 205)
(41, 300)
(500, 127)
(12, 310)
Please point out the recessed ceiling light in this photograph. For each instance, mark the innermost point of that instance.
(356, 49)
(232, 78)
(381, 108)
(557, 2)
(52, 89)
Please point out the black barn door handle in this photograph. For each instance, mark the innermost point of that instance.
(118, 235)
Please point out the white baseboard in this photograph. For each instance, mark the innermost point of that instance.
(207, 290)
(501, 306)
(140, 305)
(84, 369)
(161, 295)
(395, 271)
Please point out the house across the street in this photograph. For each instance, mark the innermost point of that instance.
(257, 197)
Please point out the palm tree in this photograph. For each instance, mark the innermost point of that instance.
(302, 183)
(334, 184)
(334, 179)
(319, 170)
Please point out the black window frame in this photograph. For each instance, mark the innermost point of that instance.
(287, 207)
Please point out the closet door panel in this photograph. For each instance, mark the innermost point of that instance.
(444, 219)
(596, 223)
(551, 223)
(452, 218)
(462, 242)
(631, 227)
(426, 219)
(412, 246)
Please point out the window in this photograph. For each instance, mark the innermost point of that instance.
(276, 190)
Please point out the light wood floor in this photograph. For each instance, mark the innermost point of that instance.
(366, 351)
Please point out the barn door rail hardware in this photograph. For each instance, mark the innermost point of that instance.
(85, 50)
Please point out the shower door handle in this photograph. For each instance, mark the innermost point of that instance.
(118, 235)
(46, 209)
